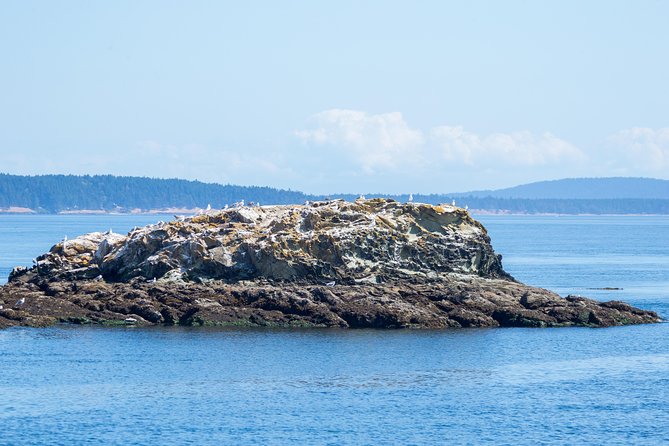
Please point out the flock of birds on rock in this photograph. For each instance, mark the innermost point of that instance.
(241, 203)
(238, 204)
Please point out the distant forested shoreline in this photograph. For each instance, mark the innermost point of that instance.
(50, 194)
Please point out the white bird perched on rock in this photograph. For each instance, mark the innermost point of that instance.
(225, 207)
(361, 198)
(110, 232)
(453, 203)
(98, 278)
(333, 283)
(209, 207)
(410, 198)
(21, 301)
(65, 238)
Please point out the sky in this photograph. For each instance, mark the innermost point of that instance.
(336, 96)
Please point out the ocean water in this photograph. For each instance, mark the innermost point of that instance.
(90, 385)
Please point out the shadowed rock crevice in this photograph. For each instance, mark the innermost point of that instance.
(372, 263)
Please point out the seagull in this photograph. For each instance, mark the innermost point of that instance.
(453, 203)
(331, 283)
(361, 197)
(1, 307)
(98, 278)
(21, 301)
(225, 207)
(154, 280)
(110, 231)
(65, 238)
(410, 198)
(209, 207)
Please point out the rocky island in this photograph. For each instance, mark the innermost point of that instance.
(369, 263)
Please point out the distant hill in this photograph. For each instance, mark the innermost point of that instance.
(583, 188)
(107, 193)
(57, 193)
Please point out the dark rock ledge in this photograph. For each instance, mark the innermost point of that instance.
(373, 263)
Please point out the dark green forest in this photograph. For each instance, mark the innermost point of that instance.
(57, 193)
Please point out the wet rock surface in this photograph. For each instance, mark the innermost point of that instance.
(372, 263)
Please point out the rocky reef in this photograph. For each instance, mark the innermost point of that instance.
(370, 263)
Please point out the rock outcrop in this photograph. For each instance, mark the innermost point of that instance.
(371, 263)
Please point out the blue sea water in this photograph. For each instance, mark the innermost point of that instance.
(89, 385)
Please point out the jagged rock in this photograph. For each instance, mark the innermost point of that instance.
(371, 263)
(332, 240)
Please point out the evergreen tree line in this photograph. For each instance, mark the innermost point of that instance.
(56, 193)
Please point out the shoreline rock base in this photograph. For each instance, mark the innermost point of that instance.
(458, 302)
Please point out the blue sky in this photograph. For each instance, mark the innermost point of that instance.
(340, 96)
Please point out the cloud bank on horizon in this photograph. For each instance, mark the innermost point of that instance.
(378, 142)
(354, 151)
(383, 143)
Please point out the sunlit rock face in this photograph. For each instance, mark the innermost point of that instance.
(368, 240)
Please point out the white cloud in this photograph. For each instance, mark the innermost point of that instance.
(385, 142)
(374, 141)
(643, 148)
(521, 148)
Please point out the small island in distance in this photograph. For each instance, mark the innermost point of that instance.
(371, 263)
(53, 194)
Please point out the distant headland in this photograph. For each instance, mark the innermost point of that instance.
(73, 194)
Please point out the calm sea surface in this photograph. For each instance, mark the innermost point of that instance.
(88, 385)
